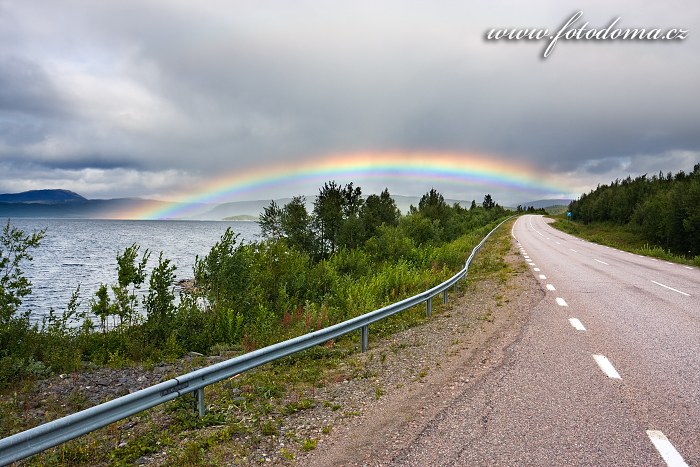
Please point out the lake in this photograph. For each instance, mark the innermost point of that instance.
(84, 251)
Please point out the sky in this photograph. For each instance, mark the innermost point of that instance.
(167, 99)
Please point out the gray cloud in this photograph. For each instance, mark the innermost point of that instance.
(224, 87)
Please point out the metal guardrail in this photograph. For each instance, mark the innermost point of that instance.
(48, 435)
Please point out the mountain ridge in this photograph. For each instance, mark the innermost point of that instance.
(46, 196)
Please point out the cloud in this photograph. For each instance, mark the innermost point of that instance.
(200, 89)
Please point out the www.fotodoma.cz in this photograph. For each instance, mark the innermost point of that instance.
(571, 31)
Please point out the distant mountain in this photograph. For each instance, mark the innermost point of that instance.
(88, 209)
(242, 217)
(546, 203)
(67, 204)
(43, 197)
(242, 208)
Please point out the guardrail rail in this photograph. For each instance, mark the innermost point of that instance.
(48, 435)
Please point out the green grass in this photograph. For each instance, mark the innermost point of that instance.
(622, 238)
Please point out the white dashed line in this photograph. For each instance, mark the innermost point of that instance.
(606, 366)
(666, 449)
(550, 287)
(558, 243)
(671, 288)
(561, 302)
(687, 267)
(668, 263)
(602, 262)
(653, 259)
(577, 324)
(535, 269)
(542, 276)
(573, 250)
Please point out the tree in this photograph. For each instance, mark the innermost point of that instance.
(296, 224)
(352, 200)
(225, 276)
(351, 233)
(101, 307)
(377, 211)
(129, 273)
(16, 344)
(432, 205)
(270, 222)
(160, 307)
(328, 216)
(488, 202)
(15, 248)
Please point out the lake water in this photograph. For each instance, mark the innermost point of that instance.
(83, 252)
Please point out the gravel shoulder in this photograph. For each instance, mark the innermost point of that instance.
(438, 362)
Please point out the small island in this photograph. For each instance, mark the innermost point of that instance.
(242, 217)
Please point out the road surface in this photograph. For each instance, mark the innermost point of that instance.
(606, 372)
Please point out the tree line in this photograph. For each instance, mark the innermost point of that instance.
(663, 209)
(342, 219)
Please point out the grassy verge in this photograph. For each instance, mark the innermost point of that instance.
(622, 238)
(248, 412)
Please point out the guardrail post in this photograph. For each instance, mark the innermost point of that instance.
(364, 338)
(199, 397)
(429, 307)
(444, 296)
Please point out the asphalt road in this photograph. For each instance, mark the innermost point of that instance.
(606, 372)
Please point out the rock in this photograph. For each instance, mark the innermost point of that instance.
(187, 285)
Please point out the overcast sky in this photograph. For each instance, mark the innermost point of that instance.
(116, 98)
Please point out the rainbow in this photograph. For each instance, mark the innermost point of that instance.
(465, 169)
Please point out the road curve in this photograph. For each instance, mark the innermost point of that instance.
(607, 371)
